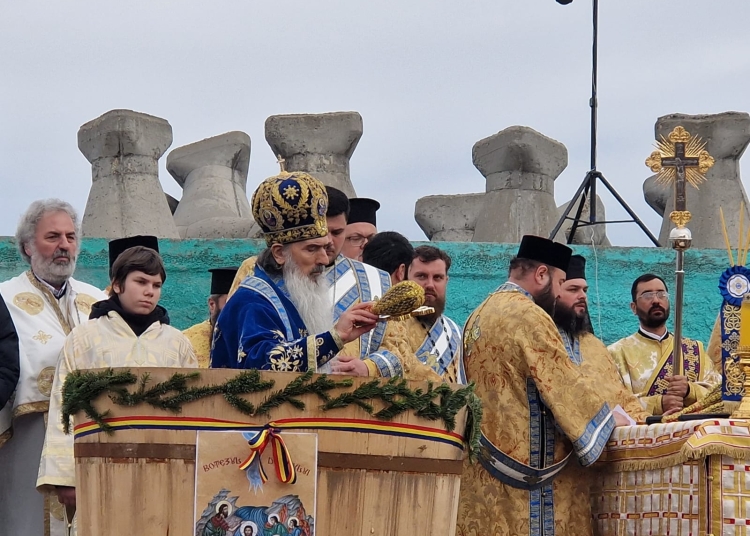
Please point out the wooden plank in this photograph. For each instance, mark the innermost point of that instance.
(135, 498)
(340, 502)
(135, 450)
(389, 463)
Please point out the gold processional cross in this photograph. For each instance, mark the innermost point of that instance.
(679, 159)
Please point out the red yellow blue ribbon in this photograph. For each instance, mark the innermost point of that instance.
(282, 460)
(370, 426)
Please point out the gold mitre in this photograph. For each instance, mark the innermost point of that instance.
(291, 207)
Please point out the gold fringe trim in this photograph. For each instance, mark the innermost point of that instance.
(623, 466)
(684, 455)
(718, 449)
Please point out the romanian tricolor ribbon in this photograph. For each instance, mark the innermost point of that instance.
(368, 426)
(282, 461)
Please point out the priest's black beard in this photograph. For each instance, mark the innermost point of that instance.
(572, 324)
(546, 299)
(649, 321)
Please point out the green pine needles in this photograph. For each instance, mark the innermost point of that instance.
(439, 403)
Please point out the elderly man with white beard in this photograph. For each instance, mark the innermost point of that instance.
(45, 303)
(280, 318)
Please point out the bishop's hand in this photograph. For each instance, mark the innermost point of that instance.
(353, 366)
(356, 321)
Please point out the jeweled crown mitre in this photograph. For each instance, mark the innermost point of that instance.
(291, 207)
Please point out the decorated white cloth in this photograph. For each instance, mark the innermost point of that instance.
(679, 478)
(42, 323)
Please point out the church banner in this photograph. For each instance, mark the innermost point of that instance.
(255, 483)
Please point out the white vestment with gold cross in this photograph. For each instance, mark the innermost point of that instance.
(42, 323)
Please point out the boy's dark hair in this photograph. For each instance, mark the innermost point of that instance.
(338, 203)
(136, 259)
(388, 250)
(431, 253)
(645, 278)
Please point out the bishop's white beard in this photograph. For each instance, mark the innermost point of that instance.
(309, 296)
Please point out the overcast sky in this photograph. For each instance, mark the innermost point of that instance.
(430, 78)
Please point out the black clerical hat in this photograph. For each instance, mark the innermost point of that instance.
(544, 250)
(362, 209)
(119, 245)
(576, 268)
(221, 279)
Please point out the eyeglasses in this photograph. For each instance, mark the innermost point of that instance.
(358, 240)
(660, 294)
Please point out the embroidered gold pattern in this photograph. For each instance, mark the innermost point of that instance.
(29, 303)
(44, 380)
(84, 302)
(42, 337)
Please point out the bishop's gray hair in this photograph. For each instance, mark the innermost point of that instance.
(30, 219)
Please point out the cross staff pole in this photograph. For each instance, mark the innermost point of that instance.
(678, 304)
(672, 161)
(679, 162)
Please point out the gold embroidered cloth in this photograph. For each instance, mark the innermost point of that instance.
(682, 478)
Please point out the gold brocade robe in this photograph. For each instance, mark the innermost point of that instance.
(597, 364)
(104, 342)
(199, 336)
(395, 343)
(644, 363)
(514, 353)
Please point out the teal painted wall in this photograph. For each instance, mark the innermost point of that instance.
(477, 270)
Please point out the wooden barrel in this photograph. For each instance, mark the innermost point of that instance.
(142, 481)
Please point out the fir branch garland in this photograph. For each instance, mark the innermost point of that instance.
(442, 403)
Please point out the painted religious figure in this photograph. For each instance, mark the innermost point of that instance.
(239, 487)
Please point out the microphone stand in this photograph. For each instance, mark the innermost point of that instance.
(588, 186)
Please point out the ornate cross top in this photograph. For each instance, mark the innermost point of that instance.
(679, 159)
(281, 162)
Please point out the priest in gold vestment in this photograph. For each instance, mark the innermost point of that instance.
(435, 338)
(645, 359)
(128, 329)
(542, 415)
(584, 348)
(200, 334)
